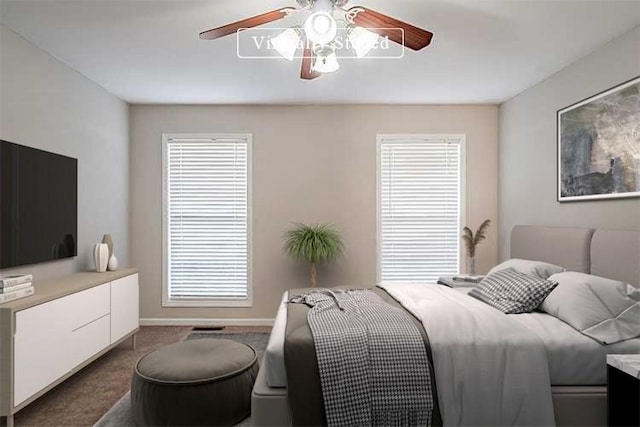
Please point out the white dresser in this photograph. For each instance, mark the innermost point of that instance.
(64, 326)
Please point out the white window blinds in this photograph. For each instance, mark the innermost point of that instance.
(419, 207)
(207, 222)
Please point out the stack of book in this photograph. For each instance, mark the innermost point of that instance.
(16, 286)
(469, 278)
(460, 281)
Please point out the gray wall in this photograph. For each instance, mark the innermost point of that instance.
(310, 163)
(527, 149)
(48, 105)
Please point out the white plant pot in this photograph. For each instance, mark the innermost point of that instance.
(101, 257)
(113, 263)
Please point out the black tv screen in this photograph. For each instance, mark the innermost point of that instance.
(38, 205)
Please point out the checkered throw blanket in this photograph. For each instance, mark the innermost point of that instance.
(372, 360)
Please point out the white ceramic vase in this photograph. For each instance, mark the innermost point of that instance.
(113, 263)
(109, 242)
(101, 257)
(471, 265)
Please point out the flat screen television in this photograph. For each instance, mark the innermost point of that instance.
(38, 205)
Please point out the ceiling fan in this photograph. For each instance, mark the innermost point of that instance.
(318, 35)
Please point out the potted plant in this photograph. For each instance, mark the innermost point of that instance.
(315, 244)
(471, 241)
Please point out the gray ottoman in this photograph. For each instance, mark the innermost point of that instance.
(203, 382)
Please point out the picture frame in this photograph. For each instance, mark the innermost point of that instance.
(598, 145)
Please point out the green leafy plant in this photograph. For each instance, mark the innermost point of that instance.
(315, 244)
(471, 240)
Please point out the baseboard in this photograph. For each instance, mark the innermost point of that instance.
(205, 322)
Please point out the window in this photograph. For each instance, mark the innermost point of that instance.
(420, 188)
(206, 221)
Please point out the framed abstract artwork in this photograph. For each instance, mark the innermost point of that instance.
(599, 145)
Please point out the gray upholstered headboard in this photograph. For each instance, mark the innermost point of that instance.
(616, 254)
(567, 247)
(607, 253)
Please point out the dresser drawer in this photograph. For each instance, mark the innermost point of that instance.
(89, 305)
(39, 360)
(89, 340)
(67, 313)
(52, 338)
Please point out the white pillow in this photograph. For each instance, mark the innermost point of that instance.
(532, 268)
(603, 309)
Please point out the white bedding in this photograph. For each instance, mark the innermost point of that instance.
(489, 368)
(274, 354)
(573, 358)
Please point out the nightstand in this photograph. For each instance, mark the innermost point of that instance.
(623, 389)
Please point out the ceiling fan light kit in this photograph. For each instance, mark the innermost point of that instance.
(362, 40)
(320, 27)
(320, 31)
(286, 43)
(326, 60)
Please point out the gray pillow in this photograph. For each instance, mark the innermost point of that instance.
(603, 309)
(513, 292)
(532, 268)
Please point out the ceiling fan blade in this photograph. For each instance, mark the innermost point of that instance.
(414, 38)
(308, 58)
(254, 21)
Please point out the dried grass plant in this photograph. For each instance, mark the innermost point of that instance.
(471, 241)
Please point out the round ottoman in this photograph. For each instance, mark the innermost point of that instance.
(202, 382)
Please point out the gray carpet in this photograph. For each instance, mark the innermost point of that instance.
(120, 414)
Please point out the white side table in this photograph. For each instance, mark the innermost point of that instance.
(623, 389)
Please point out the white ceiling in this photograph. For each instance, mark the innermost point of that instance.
(148, 51)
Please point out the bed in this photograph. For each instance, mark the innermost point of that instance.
(577, 368)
